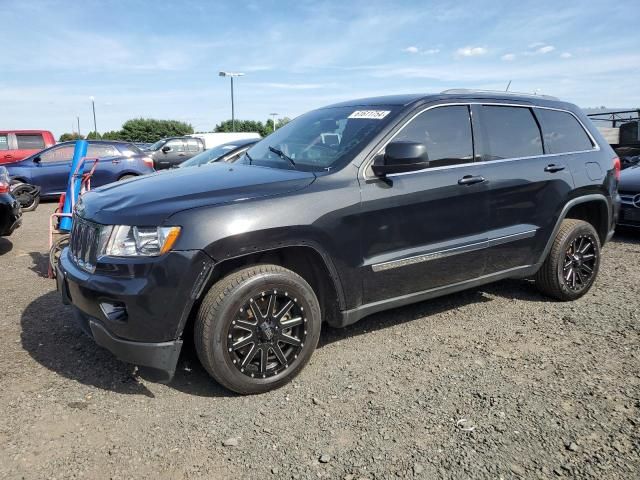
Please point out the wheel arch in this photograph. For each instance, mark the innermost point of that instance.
(306, 260)
(592, 208)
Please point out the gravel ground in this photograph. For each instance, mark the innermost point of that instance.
(496, 382)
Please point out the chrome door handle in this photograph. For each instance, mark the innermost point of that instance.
(553, 168)
(471, 180)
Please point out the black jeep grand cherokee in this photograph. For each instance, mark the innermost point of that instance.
(346, 211)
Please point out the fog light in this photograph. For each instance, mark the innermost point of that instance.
(114, 311)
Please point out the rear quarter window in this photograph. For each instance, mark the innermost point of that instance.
(4, 142)
(30, 142)
(512, 132)
(562, 132)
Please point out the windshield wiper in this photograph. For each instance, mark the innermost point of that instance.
(248, 156)
(282, 155)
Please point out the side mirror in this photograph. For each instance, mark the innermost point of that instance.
(37, 159)
(400, 157)
(166, 149)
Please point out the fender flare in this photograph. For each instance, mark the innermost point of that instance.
(563, 214)
(326, 259)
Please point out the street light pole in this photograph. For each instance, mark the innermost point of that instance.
(95, 126)
(231, 75)
(273, 119)
(78, 118)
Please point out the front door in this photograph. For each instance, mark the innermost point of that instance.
(52, 171)
(172, 153)
(426, 229)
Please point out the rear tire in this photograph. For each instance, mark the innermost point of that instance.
(571, 267)
(243, 338)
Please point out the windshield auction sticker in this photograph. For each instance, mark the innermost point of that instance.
(370, 114)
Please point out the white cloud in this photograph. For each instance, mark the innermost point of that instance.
(566, 55)
(471, 51)
(411, 49)
(545, 49)
(508, 57)
(430, 51)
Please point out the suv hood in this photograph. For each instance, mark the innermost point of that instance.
(149, 200)
(630, 180)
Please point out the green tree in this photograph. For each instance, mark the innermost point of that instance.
(112, 135)
(242, 126)
(66, 137)
(280, 122)
(94, 136)
(151, 130)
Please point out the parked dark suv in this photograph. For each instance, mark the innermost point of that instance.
(346, 211)
(172, 151)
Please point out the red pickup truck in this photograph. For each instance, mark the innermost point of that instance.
(16, 145)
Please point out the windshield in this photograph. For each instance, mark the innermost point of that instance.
(209, 155)
(157, 145)
(320, 140)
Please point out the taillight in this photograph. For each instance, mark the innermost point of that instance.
(148, 161)
(4, 187)
(616, 167)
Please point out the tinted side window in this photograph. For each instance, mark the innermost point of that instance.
(30, 142)
(446, 132)
(102, 151)
(4, 142)
(175, 145)
(58, 154)
(562, 132)
(512, 132)
(193, 146)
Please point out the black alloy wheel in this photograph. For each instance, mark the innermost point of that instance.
(572, 263)
(579, 262)
(267, 334)
(257, 328)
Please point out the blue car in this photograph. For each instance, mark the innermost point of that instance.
(49, 168)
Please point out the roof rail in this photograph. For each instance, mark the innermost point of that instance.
(460, 91)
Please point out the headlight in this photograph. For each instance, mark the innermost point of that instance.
(126, 241)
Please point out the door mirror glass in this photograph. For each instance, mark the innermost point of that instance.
(400, 157)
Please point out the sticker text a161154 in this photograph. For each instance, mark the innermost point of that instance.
(370, 114)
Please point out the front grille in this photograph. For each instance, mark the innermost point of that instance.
(83, 245)
(626, 198)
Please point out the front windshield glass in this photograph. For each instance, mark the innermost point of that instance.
(208, 155)
(156, 145)
(320, 140)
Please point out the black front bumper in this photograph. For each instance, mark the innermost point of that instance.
(629, 216)
(137, 309)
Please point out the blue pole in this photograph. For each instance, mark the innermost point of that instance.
(78, 154)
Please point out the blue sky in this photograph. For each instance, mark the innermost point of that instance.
(161, 59)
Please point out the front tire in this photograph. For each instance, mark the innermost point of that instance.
(24, 193)
(571, 267)
(257, 328)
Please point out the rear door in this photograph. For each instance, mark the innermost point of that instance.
(109, 163)
(193, 147)
(527, 189)
(426, 229)
(27, 144)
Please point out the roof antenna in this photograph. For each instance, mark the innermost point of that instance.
(508, 85)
